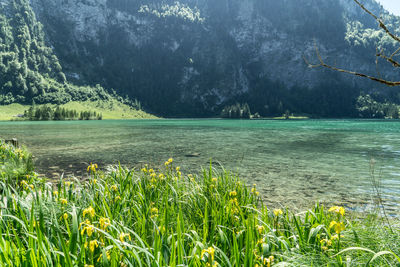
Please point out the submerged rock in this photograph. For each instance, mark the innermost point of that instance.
(192, 155)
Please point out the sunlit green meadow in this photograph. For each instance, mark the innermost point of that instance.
(110, 109)
(163, 217)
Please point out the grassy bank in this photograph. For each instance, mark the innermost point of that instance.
(164, 217)
(111, 109)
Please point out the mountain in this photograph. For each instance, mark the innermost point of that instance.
(193, 57)
(30, 70)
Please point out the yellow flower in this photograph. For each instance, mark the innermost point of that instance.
(234, 201)
(268, 261)
(93, 245)
(92, 167)
(253, 190)
(24, 184)
(117, 198)
(94, 181)
(55, 193)
(326, 241)
(338, 226)
(178, 168)
(64, 201)
(89, 265)
(214, 180)
(65, 216)
(161, 176)
(260, 229)
(338, 210)
(67, 184)
(114, 188)
(31, 186)
(123, 235)
(154, 212)
(87, 222)
(104, 223)
(232, 194)
(88, 229)
(210, 251)
(278, 212)
(169, 161)
(89, 211)
(101, 255)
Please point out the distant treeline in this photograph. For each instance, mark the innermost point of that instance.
(368, 107)
(237, 111)
(47, 113)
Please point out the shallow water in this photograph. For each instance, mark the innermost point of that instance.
(292, 162)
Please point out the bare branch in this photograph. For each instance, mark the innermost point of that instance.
(395, 52)
(381, 24)
(323, 64)
(378, 55)
(389, 59)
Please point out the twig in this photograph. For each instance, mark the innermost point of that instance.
(395, 52)
(389, 59)
(323, 64)
(381, 24)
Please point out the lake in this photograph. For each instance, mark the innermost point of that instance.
(293, 163)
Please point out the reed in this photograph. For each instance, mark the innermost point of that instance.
(163, 217)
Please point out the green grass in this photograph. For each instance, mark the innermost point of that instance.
(163, 217)
(10, 112)
(111, 110)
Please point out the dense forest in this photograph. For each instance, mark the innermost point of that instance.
(29, 69)
(194, 58)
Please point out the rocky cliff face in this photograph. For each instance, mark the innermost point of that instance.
(191, 57)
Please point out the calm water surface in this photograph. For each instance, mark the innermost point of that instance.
(292, 162)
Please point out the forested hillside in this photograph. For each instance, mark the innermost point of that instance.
(195, 57)
(29, 69)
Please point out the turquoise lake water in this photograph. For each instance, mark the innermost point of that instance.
(294, 163)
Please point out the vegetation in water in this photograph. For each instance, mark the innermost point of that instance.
(162, 217)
